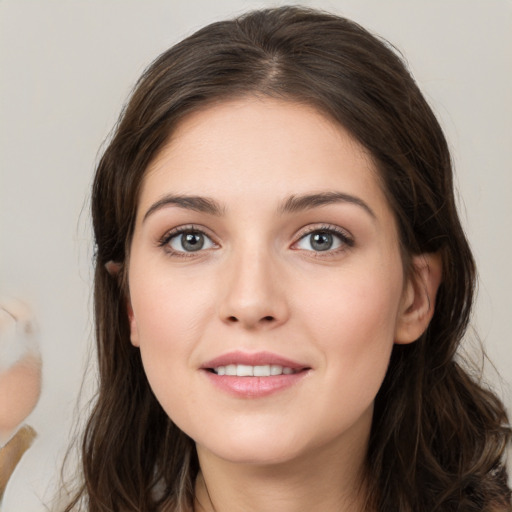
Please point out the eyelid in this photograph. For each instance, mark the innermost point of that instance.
(346, 238)
(186, 228)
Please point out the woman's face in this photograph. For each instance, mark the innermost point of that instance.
(266, 283)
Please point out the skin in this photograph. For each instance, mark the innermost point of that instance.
(260, 285)
(20, 381)
(20, 387)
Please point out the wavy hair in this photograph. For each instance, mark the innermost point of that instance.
(438, 436)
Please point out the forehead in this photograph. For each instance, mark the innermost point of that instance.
(256, 147)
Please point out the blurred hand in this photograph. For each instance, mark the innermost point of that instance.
(20, 367)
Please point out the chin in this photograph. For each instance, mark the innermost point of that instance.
(257, 448)
(256, 456)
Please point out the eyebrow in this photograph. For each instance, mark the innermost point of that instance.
(296, 204)
(293, 204)
(196, 203)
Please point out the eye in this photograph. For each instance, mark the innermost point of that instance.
(324, 239)
(187, 240)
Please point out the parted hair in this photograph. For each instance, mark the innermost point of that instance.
(438, 435)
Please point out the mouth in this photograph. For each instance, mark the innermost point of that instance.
(258, 364)
(255, 386)
(254, 375)
(245, 370)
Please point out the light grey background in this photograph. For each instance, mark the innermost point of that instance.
(66, 67)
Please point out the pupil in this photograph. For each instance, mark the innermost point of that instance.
(321, 241)
(193, 241)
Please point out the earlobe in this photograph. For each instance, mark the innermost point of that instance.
(134, 332)
(113, 268)
(419, 297)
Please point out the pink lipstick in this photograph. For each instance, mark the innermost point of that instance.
(253, 375)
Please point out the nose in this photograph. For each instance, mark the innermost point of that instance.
(253, 294)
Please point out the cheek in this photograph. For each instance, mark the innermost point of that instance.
(170, 317)
(168, 306)
(352, 320)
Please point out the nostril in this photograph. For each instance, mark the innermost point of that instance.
(265, 319)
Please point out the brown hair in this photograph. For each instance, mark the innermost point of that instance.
(438, 436)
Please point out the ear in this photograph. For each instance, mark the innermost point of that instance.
(134, 331)
(419, 297)
(113, 267)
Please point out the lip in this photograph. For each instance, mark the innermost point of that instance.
(253, 359)
(254, 387)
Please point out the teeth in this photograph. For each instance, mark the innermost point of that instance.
(262, 371)
(244, 370)
(230, 369)
(275, 369)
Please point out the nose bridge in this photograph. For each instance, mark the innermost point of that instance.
(253, 294)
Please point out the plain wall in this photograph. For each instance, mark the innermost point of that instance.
(66, 68)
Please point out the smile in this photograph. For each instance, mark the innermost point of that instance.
(254, 375)
(244, 370)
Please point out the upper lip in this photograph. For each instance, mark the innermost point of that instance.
(253, 359)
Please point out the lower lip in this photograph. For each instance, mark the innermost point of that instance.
(255, 387)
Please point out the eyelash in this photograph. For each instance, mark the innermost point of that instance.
(347, 241)
(345, 238)
(164, 242)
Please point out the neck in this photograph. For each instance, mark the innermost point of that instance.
(329, 479)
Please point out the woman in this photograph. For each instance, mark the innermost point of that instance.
(281, 286)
